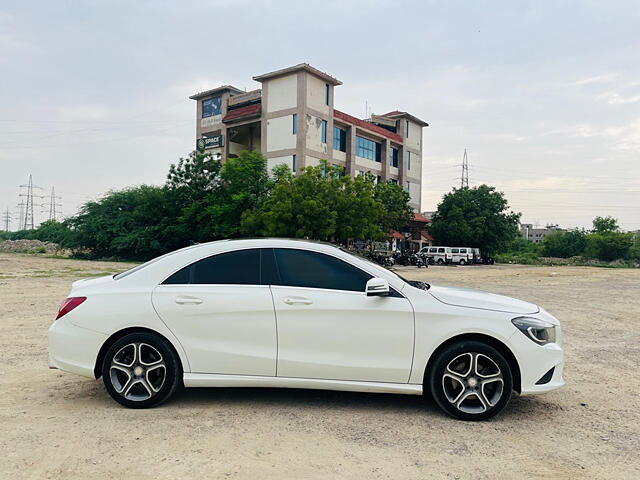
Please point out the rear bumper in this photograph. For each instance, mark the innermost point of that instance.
(74, 349)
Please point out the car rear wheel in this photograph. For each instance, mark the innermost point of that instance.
(463, 261)
(471, 380)
(440, 261)
(140, 370)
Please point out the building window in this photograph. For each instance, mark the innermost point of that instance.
(394, 181)
(393, 157)
(326, 93)
(339, 139)
(295, 123)
(378, 179)
(368, 149)
(323, 132)
(293, 164)
(408, 160)
(407, 125)
(408, 187)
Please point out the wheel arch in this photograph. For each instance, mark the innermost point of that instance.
(97, 369)
(504, 350)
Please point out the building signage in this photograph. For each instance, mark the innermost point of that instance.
(209, 142)
(211, 106)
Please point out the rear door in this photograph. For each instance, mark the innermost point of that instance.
(222, 314)
(329, 329)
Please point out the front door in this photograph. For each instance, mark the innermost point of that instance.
(329, 329)
(222, 314)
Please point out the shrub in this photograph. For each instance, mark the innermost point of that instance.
(564, 244)
(608, 246)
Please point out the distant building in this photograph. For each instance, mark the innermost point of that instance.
(292, 121)
(536, 235)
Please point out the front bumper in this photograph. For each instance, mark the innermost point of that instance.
(74, 349)
(535, 361)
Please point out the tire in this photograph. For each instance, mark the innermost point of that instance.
(461, 391)
(462, 261)
(132, 370)
(440, 261)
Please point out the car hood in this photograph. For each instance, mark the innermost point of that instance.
(468, 297)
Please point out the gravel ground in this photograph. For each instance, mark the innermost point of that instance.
(61, 426)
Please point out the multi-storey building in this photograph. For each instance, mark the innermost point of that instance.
(291, 119)
(536, 235)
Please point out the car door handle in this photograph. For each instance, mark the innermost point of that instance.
(297, 300)
(188, 300)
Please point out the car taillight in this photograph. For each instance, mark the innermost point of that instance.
(69, 304)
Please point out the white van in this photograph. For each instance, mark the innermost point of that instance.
(439, 255)
(461, 255)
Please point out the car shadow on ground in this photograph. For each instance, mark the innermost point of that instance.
(293, 397)
(519, 408)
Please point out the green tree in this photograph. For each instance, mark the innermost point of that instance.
(244, 186)
(475, 217)
(298, 207)
(322, 204)
(605, 225)
(194, 185)
(564, 244)
(135, 223)
(395, 201)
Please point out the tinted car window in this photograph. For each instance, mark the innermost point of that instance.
(268, 270)
(441, 250)
(301, 268)
(433, 250)
(454, 250)
(463, 250)
(236, 268)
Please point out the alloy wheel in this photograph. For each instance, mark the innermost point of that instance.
(473, 383)
(137, 371)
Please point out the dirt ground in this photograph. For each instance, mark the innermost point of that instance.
(61, 426)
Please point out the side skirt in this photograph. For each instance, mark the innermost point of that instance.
(217, 380)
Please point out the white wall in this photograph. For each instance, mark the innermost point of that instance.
(280, 133)
(282, 93)
(416, 166)
(414, 192)
(273, 162)
(311, 161)
(314, 134)
(315, 94)
(414, 140)
(339, 155)
(365, 162)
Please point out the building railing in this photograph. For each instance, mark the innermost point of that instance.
(247, 97)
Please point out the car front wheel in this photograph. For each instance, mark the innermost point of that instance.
(471, 380)
(140, 370)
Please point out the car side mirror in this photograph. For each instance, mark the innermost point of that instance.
(377, 287)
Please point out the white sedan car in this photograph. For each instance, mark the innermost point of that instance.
(297, 314)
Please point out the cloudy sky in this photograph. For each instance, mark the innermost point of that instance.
(544, 95)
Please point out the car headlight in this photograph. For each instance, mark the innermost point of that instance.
(537, 330)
